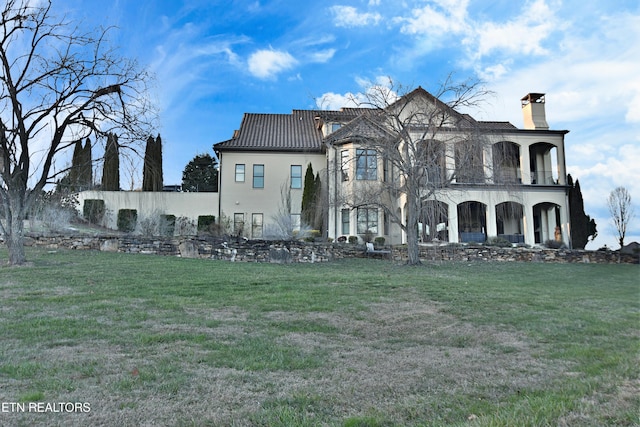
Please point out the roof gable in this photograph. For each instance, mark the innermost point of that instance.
(363, 127)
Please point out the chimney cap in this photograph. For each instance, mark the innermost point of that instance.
(533, 97)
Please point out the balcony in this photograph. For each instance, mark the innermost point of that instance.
(543, 177)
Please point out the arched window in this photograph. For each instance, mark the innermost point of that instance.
(506, 163)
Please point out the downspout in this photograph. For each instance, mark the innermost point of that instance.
(566, 193)
(219, 157)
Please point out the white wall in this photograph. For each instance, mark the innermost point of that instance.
(190, 205)
(242, 198)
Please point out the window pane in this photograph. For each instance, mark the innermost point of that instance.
(238, 223)
(295, 222)
(366, 164)
(344, 164)
(239, 173)
(258, 176)
(367, 220)
(256, 225)
(296, 176)
(345, 221)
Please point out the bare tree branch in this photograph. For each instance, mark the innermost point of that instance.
(57, 85)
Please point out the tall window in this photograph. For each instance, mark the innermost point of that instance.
(295, 222)
(367, 220)
(296, 176)
(344, 164)
(345, 221)
(386, 223)
(238, 223)
(239, 173)
(469, 162)
(258, 176)
(256, 225)
(366, 164)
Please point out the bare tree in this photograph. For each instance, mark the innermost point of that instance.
(417, 136)
(58, 84)
(621, 210)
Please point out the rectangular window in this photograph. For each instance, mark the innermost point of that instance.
(256, 225)
(367, 220)
(238, 224)
(366, 164)
(239, 173)
(387, 223)
(345, 222)
(296, 176)
(344, 164)
(295, 222)
(258, 176)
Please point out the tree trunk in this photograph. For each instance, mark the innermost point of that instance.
(15, 242)
(413, 250)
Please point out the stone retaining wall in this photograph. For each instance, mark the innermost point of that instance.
(288, 252)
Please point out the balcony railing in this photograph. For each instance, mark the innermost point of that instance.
(513, 238)
(470, 236)
(543, 178)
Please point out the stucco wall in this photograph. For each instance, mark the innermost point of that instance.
(242, 198)
(189, 205)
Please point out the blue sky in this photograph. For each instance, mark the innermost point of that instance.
(215, 60)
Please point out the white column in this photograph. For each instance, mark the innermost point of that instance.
(527, 219)
(492, 228)
(525, 165)
(453, 223)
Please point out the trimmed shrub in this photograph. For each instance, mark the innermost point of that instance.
(368, 236)
(167, 225)
(127, 219)
(205, 223)
(379, 241)
(499, 242)
(93, 210)
(353, 239)
(554, 244)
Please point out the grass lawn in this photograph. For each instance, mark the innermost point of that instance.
(149, 340)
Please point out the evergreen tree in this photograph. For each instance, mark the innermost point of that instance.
(583, 227)
(317, 201)
(80, 177)
(200, 174)
(73, 180)
(152, 168)
(158, 173)
(147, 176)
(85, 175)
(111, 169)
(308, 198)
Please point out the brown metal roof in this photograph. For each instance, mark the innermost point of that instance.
(497, 125)
(276, 132)
(299, 131)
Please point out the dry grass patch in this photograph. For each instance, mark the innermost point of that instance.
(153, 341)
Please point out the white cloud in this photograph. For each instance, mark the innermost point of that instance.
(523, 35)
(446, 17)
(348, 16)
(322, 56)
(267, 63)
(380, 90)
(336, 101)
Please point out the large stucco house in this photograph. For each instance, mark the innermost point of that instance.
(519, 194)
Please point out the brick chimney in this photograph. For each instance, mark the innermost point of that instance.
(533, 111)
